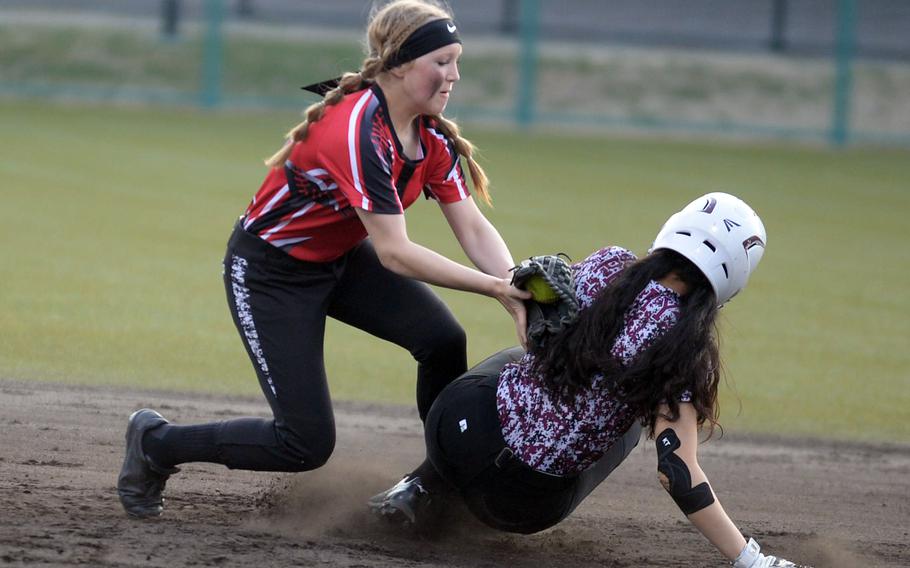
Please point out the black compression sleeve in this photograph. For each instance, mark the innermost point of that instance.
(676, 477)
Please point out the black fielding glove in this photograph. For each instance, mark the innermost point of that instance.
(554, 306)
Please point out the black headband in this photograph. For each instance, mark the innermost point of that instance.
(428, 37)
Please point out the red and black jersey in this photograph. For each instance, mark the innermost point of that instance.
(351, 158)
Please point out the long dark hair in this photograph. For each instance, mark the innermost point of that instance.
(684, 358)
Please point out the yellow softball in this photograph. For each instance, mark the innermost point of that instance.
(540, 290)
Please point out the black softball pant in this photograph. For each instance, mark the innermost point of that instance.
(466, 447)
(280, 304)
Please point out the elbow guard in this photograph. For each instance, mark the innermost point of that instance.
(675, 476)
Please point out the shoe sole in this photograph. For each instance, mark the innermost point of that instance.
(138, 512)
(393, 515)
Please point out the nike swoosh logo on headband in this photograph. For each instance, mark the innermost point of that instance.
(451, 28)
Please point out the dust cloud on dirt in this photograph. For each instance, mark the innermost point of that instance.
(822, 503)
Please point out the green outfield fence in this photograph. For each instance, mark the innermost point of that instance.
(212, 54)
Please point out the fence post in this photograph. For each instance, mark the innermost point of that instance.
(245, 8)
(843, 79)
(212, 53)
(527, 72)
(170, 17)
(778, 40)
(508, 16)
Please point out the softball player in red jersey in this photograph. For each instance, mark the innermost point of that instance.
(325, 236)
(523, 438)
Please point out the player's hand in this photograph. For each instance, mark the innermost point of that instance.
(512, 299)
(751, 557)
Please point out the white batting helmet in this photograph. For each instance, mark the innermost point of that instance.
(722, 236)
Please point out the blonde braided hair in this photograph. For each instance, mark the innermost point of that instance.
(390, 25)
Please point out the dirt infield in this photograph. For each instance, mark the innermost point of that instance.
(828, 504)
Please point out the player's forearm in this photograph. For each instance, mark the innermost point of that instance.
(687, 484)
(415, 261)
(716, 526)
(487, 249)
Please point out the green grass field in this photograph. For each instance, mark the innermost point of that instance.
(115, 222)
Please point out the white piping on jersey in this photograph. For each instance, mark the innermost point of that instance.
(245, 316)
(268, 206)
(440, 136)
(352, 145)
(311, 175)
(265, 236)
(453, 175)
(385, 164)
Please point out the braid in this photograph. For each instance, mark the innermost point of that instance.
(464, 147)
(349, 83)
(390, 25)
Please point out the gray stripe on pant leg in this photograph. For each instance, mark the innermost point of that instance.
(245, 315)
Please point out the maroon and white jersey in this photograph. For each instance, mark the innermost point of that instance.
(351, 158)
(566, 437)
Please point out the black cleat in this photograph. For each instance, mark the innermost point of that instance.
(141, 482)
(403, 503)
